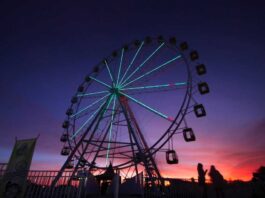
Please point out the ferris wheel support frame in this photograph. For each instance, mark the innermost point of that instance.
(146, 155)
(70, 157)
(88, 149)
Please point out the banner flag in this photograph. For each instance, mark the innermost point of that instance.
(14, 181)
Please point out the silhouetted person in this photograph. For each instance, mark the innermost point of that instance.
(217, 181)
(201, 179)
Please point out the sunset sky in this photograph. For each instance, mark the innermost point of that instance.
(46, 49)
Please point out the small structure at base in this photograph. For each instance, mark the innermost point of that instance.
(131, 188)
(105, 179)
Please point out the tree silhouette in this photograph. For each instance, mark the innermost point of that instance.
(259, 174)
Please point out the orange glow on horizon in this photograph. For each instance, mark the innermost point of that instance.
(232, 160)
(188, 173)
(179, 171)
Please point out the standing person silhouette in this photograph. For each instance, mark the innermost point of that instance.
(217, 181)
(201, 179)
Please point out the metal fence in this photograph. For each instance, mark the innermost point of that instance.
(39, 186)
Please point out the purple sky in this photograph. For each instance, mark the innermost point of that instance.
(46, 49)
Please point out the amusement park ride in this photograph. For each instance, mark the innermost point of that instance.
(131, 106)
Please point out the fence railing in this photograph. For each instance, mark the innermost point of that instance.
(39, 186)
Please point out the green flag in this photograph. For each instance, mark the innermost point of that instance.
(13, 183)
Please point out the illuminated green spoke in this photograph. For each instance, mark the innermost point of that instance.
(111, 77)
(110, 130)
(153, 70)
(122, 51)
(91, 105)
(100, 82)
(142, 64)
(138, 50)
(155, 86)
(148, 108)
(91, 94)
(92, 115)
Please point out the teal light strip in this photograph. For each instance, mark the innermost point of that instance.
(138, 50)
(111, 77)
(78, 131)
(145, 106)
(108, 104)
(155, 86)
(93, 93)
(122, 51)
(87, 121)
(100, 82)
(153, 70)
(91, 105)
(142, 64)
(110, 130)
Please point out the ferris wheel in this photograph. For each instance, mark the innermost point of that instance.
(130, 107)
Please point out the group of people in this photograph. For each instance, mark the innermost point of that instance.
(216, 178)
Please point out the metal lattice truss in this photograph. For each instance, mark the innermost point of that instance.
(106, 123)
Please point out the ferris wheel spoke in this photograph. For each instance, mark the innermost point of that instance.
(110, 129)
(153, 70)
(91, 116)
(100, 82)
(100, 146)
(110, 74)
(92, 93)
(135, 55)
(89, 106)
(155, 86)
(142, 64)
(119, 71)
(147, 107)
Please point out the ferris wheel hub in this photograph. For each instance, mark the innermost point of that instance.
(115, 90)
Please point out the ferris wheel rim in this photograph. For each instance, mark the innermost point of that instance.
(153, 147)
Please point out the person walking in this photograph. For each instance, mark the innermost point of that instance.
(201, 179)
(217, 181)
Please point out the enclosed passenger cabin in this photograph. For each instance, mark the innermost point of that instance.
(65, 151)
(70, 164)
(160, 39)
(183, 46)
(201, 69)
(203, 88)
(65, 124)
(87, 78)
(80, 88)
(199, 110)
(82, 162)
(171, 157)
(74, 100)
(69, 111)
(64, 137)
(189, 135)
(137, 43)
(173, 41)
(194, 55)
